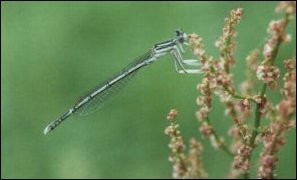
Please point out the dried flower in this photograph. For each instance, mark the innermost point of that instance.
(289, 89)
(269, 74)
(198, 47)
(268, 157)
(247, 86)
(278, 34)
(177, 147)
(262, 101)
(218, 80)
(265, 171)
(286, 108)
(190, 166)
(226, 42)
(241, 160)
(224, 79)
(203, 100)
(290, 65)
(273, 139)
(245, 133)
(205, 129)
(202, 113)
(172, 115)
(245, 105)
(287, 6)
(196, 168)
(198, 50)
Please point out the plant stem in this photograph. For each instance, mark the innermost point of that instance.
(217, 138)
(257, 118)
(257, 121)
(256, 127)
(236, 96)
(222, 144)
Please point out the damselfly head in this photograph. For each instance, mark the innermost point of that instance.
(180, 36)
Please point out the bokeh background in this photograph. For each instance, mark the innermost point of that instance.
(52, 53)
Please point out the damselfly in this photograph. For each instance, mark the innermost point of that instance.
(99, 95)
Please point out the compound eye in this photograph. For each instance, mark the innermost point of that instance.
(178, 32)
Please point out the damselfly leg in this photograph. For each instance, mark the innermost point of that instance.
(185, 65)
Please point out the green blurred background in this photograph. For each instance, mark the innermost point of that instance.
(52, 53)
